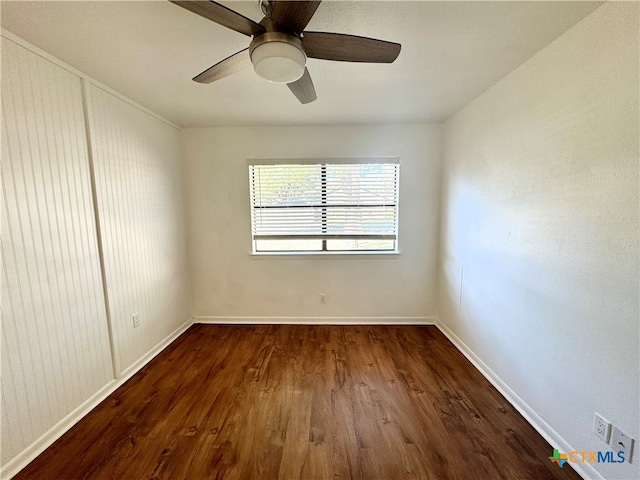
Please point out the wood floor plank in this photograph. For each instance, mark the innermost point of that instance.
(300, 403)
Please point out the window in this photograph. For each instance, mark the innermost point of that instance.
(326, 206)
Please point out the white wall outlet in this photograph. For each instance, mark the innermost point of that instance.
(621, 442)
(601, 428)
(323, 298)
(136, 320)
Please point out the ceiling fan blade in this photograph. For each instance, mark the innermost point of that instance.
(349, 48)
(293, 15)
(222, 15)
(303, 88)
(226, 67)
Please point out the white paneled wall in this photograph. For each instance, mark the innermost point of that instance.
(56, 349)
(140, 200)
(55, 340)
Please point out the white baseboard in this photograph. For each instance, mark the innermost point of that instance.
(585, 470)
(25, 457)
(151, 354)
(221, 320)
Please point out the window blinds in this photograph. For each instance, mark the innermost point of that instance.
(324, 200)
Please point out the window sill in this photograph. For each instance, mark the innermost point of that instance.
(324, 255)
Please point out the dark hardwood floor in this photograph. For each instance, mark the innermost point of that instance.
(303, 402)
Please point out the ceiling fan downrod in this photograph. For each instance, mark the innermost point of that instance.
(266, 6)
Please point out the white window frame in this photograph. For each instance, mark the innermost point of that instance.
(325, 161)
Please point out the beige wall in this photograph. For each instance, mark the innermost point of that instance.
(228, 282)
(539, 233)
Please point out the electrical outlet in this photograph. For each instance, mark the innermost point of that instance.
(601, 428)
(323, 298)
(621, 442)
(136, 320)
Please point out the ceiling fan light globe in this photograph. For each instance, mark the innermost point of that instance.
(278, 62)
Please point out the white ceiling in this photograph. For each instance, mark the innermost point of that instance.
(149, 51)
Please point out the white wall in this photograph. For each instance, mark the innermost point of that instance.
(56, 356)
(55, 350)
(138, 173)
(228, 282)
(540, 221)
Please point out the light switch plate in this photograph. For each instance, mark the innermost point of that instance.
(621, 442)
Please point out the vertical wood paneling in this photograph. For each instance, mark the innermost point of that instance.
(137, 169)
(55, 347)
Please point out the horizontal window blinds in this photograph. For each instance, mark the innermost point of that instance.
(324, 201)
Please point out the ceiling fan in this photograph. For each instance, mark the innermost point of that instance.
(280, 46)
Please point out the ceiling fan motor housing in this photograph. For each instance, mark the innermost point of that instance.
(278, 57)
